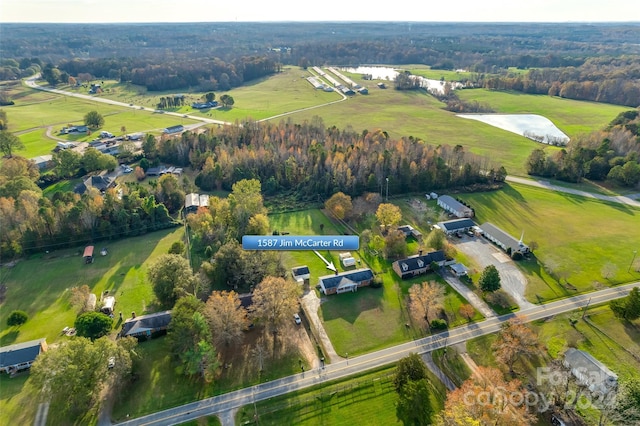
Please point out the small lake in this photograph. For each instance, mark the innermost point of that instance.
(532, 126)
(388, 73)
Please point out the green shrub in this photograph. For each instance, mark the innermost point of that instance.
(439, 324)
(17, 318)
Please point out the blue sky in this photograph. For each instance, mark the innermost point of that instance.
(324, 10)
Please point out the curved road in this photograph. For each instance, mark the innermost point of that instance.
(623, 199)
(230, 401)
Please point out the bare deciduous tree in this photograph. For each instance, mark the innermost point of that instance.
(425, 300)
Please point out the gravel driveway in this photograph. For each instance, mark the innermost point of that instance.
(485, 253)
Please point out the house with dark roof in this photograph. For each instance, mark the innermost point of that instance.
(409, 230)
(503, 240)
(590, 372)
(455, 207)
(20, 356)
(101, 183)
(146, 325)
(301, 274)
(418, 264)
(345, 281)
(456, 225)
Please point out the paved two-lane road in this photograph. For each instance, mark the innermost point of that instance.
(239, 398)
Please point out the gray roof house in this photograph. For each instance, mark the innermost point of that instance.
(455, 207)
(146, 325)
(455, 225)
(409, 230)
(503, 240)
(345, 281)
(417, 265)
(101, 183)
(590, 372)
(20, 356)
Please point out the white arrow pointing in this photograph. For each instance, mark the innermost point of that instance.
(330, 265)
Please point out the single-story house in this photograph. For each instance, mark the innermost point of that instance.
(505, 241)
(301, 274)
(347, 259)
(193, 201)
(345, 281)
(456, 225)
(455, 207)
(459, 269)
(409, 230)
(146, 325)
(418, 264)
(590, 372)
(174, 129)
(20, 356)
(43, 161)
(101, 183)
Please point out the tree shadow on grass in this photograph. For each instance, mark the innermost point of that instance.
(9, 338)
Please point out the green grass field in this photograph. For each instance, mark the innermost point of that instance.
(368, 397)
(45, 295)
(578, 237)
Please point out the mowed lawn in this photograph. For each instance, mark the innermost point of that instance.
(368, 398)
(40, 285)
(586, 242)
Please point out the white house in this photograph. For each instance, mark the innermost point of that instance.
(590, 372)
(503, 240)
(453, 206)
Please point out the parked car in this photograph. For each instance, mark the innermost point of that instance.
(297, 319)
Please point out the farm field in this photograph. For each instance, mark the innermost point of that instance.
(370, 396)
(399, 113)
(583, 244)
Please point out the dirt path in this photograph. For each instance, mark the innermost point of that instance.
(311, 304)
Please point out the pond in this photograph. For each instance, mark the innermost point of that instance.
(532, 126)
(388, 73)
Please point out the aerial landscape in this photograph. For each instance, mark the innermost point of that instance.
(263, 215)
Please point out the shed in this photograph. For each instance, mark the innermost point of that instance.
(91, 302)
(459, 269)
(301, 274)
(347, 259)
(88, 254)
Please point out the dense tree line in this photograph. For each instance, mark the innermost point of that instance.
(316, 161)
(604, 79)
(32, 222)
(610, 154)
(223, 55)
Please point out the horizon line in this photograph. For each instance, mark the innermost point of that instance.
(315, 22)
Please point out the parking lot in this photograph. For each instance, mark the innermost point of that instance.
(485, 253)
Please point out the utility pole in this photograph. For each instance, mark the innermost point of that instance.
(387, 189)
(585, 308)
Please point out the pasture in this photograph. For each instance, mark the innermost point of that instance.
(584, 244)
(40, 284)
(369, 396)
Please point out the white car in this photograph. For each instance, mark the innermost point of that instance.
(297, 319)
